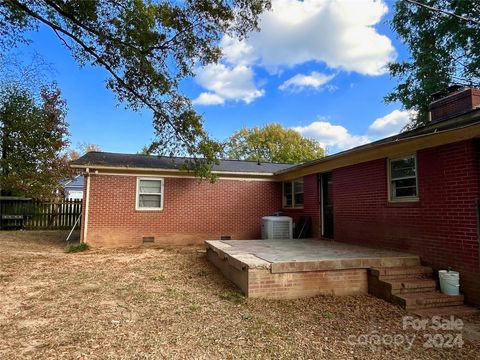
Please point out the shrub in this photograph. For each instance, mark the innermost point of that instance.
(233, 296)
(73, 248)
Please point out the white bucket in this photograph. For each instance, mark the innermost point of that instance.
(449, 282)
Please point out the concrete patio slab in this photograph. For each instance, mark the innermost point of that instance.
(286, 269)
(310, 255)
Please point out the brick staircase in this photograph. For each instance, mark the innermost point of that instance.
(415, 289)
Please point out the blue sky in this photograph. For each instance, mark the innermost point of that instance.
(317, 66)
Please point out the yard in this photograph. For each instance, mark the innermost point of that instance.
(171, 303)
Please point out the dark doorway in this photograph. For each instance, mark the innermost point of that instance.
(326, 202)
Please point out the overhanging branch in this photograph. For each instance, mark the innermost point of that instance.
(90, 50)
(444, 12)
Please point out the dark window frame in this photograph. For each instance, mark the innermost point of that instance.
(405, 183)
(290, 198)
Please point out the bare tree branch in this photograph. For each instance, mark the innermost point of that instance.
(444, 12)
(62, 39)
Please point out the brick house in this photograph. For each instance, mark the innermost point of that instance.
(417, 192)
(131, 199)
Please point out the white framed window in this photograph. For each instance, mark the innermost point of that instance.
(293, 194)
(149, 194)
(403, 184)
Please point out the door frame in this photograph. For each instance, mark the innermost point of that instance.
(320, 194)
(322, 204)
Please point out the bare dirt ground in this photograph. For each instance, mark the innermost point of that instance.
(155, 303)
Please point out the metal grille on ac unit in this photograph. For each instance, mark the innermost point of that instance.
(276, 227)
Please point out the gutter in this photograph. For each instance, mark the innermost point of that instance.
(123, 168)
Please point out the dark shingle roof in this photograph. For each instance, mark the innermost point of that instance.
(171, 163)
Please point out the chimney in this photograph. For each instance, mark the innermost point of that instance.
(459, 100)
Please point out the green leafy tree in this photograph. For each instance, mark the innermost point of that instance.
(444, 41)
(272, 143)
(147, 47)
(145, 150)
(33, 139)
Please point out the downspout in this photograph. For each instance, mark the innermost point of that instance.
(87, 202)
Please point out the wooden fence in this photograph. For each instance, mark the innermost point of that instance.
(18, 213)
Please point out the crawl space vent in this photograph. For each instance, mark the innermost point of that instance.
(148, 239)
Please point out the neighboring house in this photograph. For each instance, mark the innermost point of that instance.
(417, 191)
(74, 188)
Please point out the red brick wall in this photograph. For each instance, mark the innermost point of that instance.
(193, 211)
(263, 284)
(441, 227)
(311, 204)
(455, 104)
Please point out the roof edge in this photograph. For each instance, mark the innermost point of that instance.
(465, 120)
(182, 158)
(175, 171)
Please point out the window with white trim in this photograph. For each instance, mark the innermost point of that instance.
(403, 178)
(149, 194)
(293, 193)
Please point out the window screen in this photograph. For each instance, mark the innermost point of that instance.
(403, 178)
(150, 193)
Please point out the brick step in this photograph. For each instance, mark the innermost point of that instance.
(447, 311)
(430, 299)
(401, 272)
(407, 261)
(402, 286)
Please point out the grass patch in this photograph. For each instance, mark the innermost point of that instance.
(74, 248)
(90, 288)
(194, 308)
(261, 328)
(202, 273)
(159, 277)
(233, 296)
(175, 294)
(205, 341)
(328, 315)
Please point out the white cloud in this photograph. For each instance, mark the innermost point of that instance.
(236, 52)
(391, 123)
(207, 98)
(337, 138)
(301, 81)
(332, 136)
(226, 83)
(339, 33)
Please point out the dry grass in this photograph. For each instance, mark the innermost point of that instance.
(171, 303)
